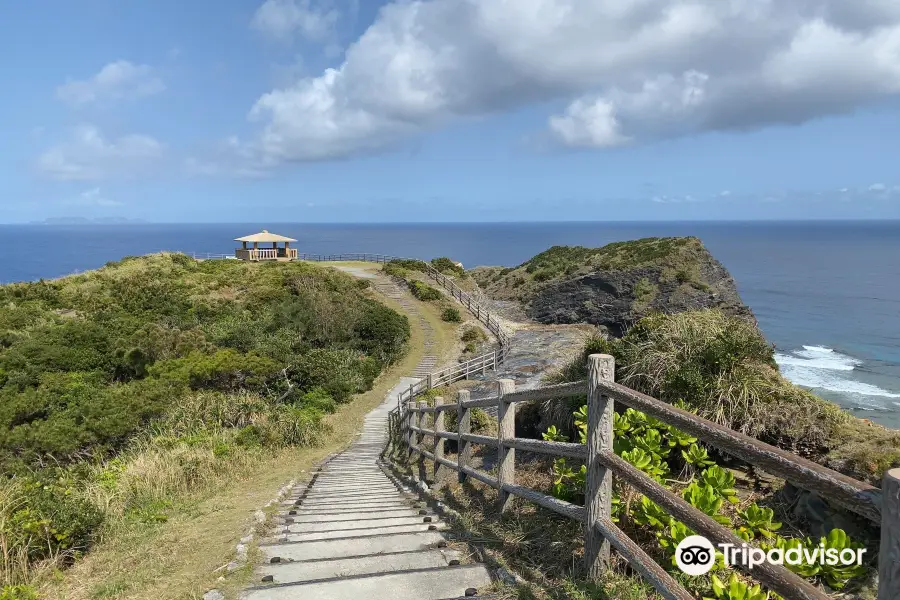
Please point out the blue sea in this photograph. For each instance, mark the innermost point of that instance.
(827, 294)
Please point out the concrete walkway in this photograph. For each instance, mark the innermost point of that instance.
(352, 534)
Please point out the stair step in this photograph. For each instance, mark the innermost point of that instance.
(304, 536)
(419, 584)
(362, 565)
(360, 546)
(318, 516)
(350, 525)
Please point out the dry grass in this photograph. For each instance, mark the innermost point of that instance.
(546, 549)
(179, 558)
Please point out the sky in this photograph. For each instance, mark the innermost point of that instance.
(449, 110)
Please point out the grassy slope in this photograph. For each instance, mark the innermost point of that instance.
(177, 559)
(678, 257)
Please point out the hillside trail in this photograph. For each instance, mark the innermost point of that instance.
(351, 533)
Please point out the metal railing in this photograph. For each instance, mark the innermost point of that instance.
(409, 429)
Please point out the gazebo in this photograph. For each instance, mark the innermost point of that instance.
(273, 253)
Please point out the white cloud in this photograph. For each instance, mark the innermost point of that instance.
(877, 187)
(88, 156)
(281, 19)
(632, 70)
(93, 197)
(120, 80)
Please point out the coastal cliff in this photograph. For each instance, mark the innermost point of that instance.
(616, 285)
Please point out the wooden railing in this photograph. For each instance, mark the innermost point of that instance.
(410, 427)
(479, 364)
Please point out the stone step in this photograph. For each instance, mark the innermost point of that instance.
(304, 536)
(358, 515)
(353, 546)
(418, 584)
(363, 565)
(349, 525)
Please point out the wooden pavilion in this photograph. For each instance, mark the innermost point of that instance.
(254, 252)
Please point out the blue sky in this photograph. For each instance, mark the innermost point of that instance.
(450, 110)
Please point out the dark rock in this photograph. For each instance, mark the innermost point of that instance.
(609, 298)
(426, 520)
(268, 578)
(471, 592)
(275, 560)
(432, 528)
(454, 563)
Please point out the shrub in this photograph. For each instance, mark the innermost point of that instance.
(448, 267)
(470, 348)
(451, 315)
(472, 333)
(394, 270)
(340, 373)
(382, 332)
(409, 264)
(424, 292)
(224, 370)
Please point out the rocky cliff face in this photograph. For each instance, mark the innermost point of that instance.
(616, 285)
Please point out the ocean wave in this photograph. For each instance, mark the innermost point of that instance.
(819, 367)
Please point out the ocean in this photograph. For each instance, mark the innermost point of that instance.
(826, 294)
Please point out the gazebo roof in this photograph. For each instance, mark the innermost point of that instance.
(264, 236)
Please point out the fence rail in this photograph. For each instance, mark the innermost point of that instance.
(409, 429)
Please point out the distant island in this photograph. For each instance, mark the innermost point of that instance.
(87, 221)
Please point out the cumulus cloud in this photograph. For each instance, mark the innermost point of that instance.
(631, 70)
(89, 156)
(120, 80)
(281, 19)
(877, 187)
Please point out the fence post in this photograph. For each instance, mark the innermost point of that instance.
(889, 552)
(506, 457)
(598, 495)
(439, 469)
(430, 386)
(412, 420)
(423, 424)
(484, 361)
(463, 427)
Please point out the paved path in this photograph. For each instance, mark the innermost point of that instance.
(352, 534)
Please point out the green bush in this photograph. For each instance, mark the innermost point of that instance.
(394, 270)
(424, 292)
(340, 373)
(47, 519)
(451, 315)
(18, 592)
(409, 264)
(472, 333)
(448, 267)
(224, 370)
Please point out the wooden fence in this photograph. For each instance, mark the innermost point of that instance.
(410, 427)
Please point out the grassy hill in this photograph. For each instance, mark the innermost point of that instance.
(617, 284)
(123, 387)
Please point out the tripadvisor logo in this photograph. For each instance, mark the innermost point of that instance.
(696, 555)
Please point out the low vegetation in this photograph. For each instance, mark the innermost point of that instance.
(723, 368)
(424, 292)
(677, 258)
(125, 388)
(451, 315)
(681, 463)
